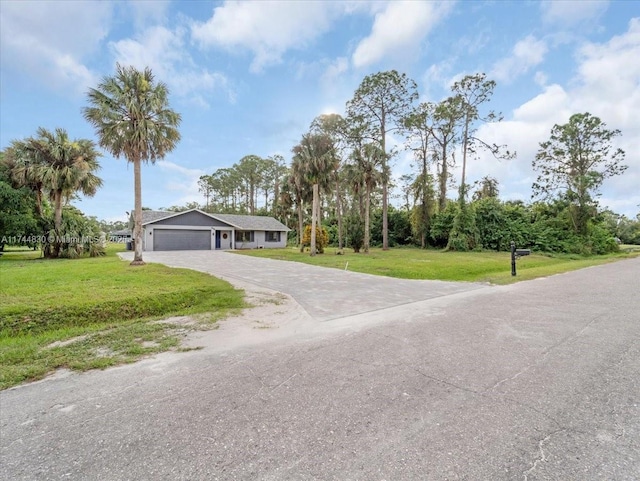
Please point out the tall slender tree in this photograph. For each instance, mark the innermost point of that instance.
(446, 117)
(333, 125)
(131, 114)
(473, 91)
(380, 104)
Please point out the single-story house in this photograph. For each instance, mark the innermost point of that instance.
(198, 230)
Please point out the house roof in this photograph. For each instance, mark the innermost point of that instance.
(242, 222)
(251, 222)
(149, 216)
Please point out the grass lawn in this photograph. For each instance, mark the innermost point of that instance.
(413, 263)
(96, 312)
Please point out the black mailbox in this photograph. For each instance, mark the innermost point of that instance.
(515, 253)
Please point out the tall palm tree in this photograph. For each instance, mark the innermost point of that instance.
(298, 184)
(369, 160)
(317, 153)
(130, 112)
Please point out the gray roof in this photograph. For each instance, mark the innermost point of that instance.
(251, 222)
(242, 222)
(154, 215)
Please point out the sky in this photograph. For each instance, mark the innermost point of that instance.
(249, 77)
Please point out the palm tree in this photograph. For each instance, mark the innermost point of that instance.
(132, 118)
(369, 159)
(53, 163)
(317, 153)
(24, 171)
(298, 184)
(68, 168)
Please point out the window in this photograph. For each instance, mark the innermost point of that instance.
(244, 236)
(272, 236)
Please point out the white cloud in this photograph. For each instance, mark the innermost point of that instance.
(164, 51)
(402, 25)
(181, 180)
(49, 40)
(266, 28)
(570, 12)
(335, 69)
(147, 13)
(606, 84)
(527, 53)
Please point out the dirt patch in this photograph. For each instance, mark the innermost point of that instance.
(67, 342)
(274, 315)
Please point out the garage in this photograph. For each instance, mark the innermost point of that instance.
(197, 230)
(181, 239)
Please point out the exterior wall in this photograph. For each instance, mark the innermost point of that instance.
(225, 244)
(191, 219)
(259, 242)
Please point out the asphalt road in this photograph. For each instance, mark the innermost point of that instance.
(535, 381)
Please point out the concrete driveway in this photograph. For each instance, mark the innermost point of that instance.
(538, 380)
(324, 293)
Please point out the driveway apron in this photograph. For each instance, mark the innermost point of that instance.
(325, 293)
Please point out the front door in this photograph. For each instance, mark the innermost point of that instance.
(217, 239)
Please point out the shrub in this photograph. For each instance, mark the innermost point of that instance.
(354, 230)
(322, 238)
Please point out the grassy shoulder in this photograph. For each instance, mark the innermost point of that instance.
(97, 312)
(414, 263)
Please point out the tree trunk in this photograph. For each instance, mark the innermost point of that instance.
(385, 218)
(137, 213)
(444, 173)
(367, 202)
(339, 213)
(276, 199)
(385, 186)
(300, 225)
(465, 144)
(57, 224)
(314, 218)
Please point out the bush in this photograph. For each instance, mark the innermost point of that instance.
(464, 233)
(322, 238)
(354, 230)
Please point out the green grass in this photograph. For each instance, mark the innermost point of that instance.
(413, 263)
(103, 304)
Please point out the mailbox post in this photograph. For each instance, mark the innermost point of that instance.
(515, 253)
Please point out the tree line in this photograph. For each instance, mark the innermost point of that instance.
(340, 175)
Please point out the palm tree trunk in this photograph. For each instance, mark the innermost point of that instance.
(137, 214)
(314, 219)
(300, 225)
(367, 202)
(57, 224)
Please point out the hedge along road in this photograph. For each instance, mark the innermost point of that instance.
(535, 380)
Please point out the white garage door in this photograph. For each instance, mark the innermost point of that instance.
(181, 240)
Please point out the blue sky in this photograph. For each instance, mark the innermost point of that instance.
(249, 77)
